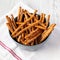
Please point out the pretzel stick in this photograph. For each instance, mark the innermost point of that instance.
(28, 13)
(13, 22)
(19, 23)
(10, 22)
(13, 25)
(52, 25)
(21, 17)
(26, 17)
(37, 18)
(22, 26)
(11, 30)
(40, 27)
(29, 35)
(24, 23)
(32, 43)
(47, 32)
(40, 20)
(19, 38)
(32, 39)
(31, 29)
(47, 20)
(12, 17)
(19, 11)
(43, 25)
(20, 14)
(43, 17)
(27, 22)
(8, 19)
(25, 29)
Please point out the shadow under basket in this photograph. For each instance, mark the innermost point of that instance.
(33, 47)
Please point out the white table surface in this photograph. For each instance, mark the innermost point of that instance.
(6, 6)
(46, 6)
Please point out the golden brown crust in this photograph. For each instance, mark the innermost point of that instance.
(29, 29)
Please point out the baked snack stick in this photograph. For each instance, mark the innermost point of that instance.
(12, 18)
(19, 23)
(8, 19)
(12, 23)
(27, 22)
(43, 28)
(26, 17)
(24, 23)
(29, 35)
(19, 38)
(20, 13)
(9, 22)
(33, 35)
(37, 26)
(19, 10)
(43, 17)
(30, 29)
(36, 19)
(47, 32)
(28, 40)
(47, 20)
(17, 34)
(21, 16)
(28, 13)
(9, 27)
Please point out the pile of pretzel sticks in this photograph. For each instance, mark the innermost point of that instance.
(29, 28)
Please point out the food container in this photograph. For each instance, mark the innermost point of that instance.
(34, 47)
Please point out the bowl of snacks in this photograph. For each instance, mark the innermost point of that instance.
(29, 30)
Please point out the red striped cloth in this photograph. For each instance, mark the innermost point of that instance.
(10, 50)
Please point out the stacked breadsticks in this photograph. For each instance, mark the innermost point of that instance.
(29, 28)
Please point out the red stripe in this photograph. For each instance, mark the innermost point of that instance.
(10, 50)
